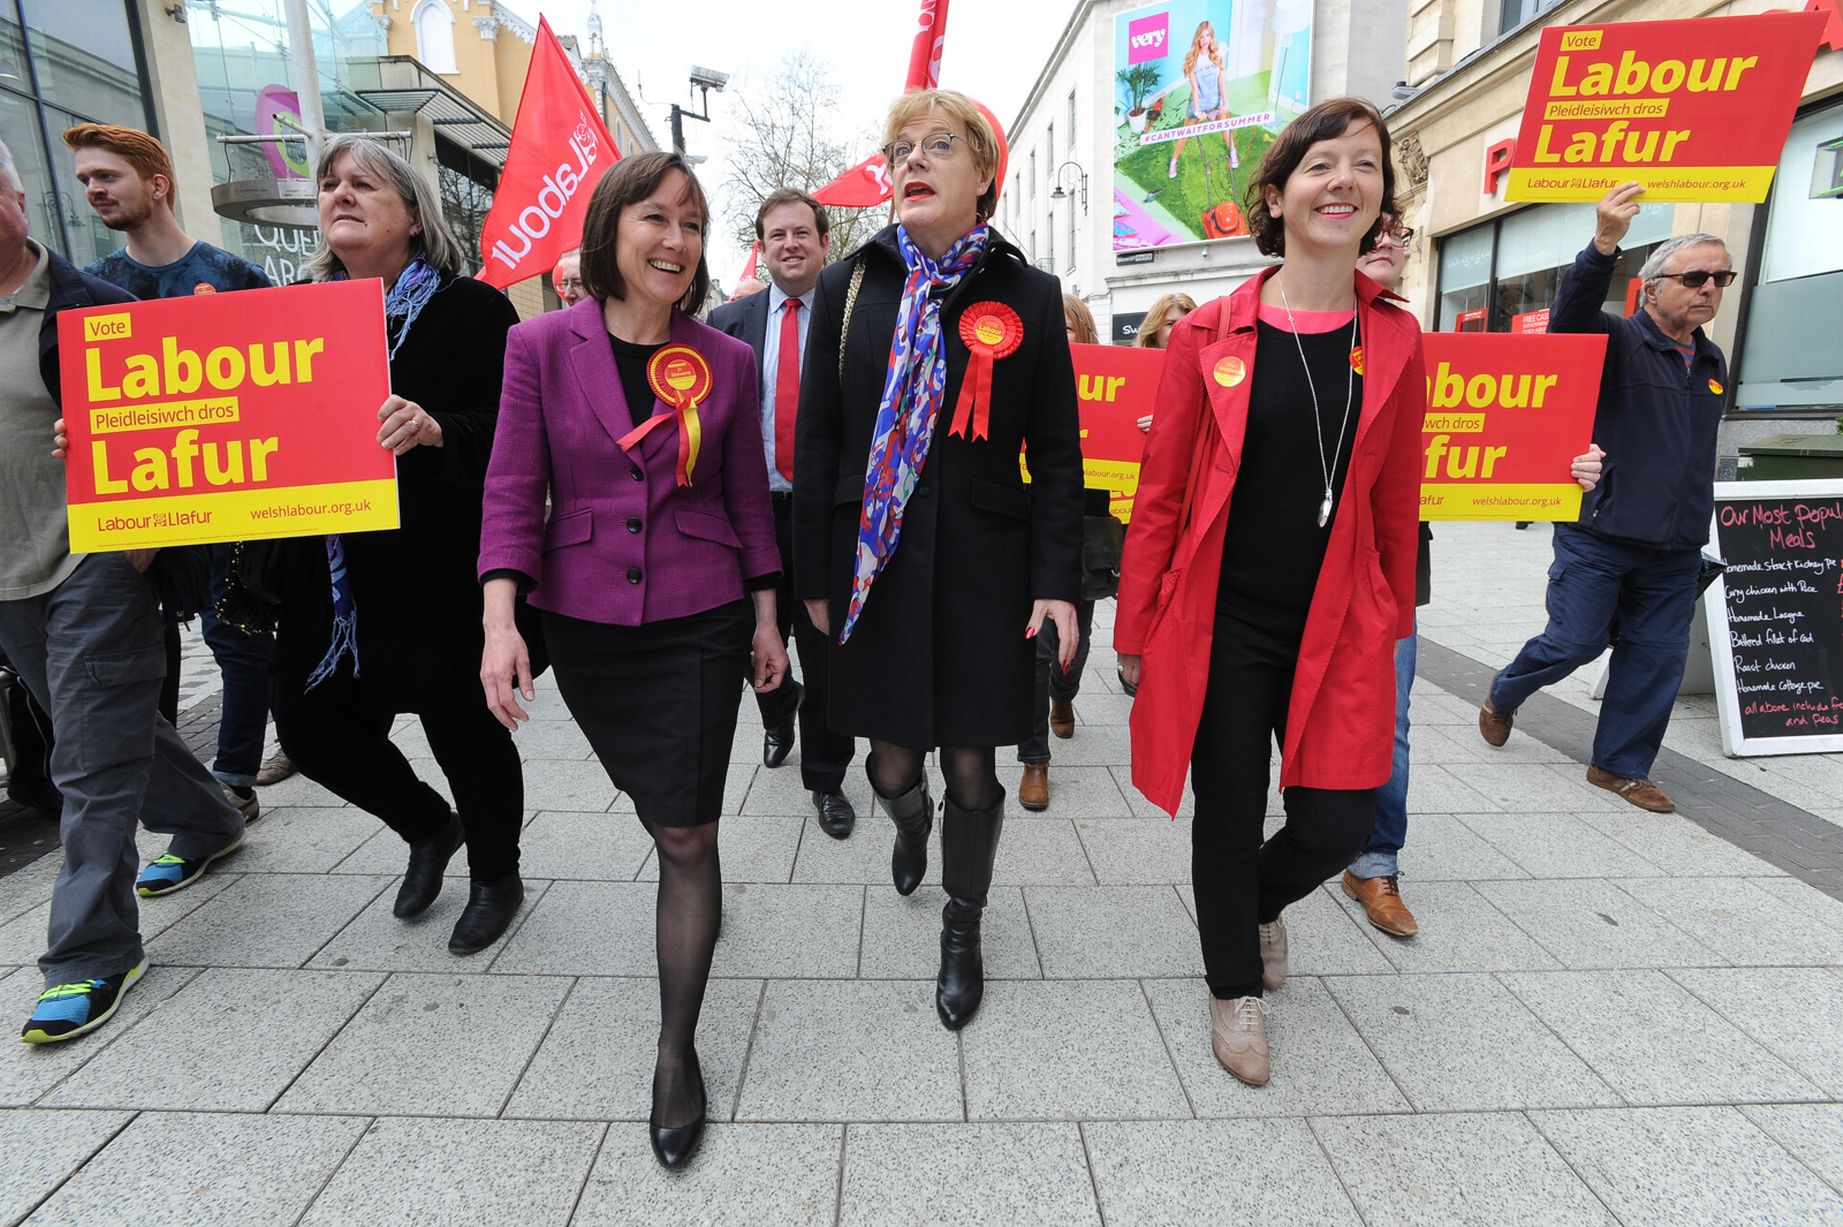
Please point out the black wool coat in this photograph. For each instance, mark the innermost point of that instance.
(938, 656)
(418, 601)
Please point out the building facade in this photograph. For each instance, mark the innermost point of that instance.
(1480, 262)
(220, 84)
(1090, 195)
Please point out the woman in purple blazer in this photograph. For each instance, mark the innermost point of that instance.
(655, 568)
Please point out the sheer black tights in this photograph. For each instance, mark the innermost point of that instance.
(971, 772)
(690, 908)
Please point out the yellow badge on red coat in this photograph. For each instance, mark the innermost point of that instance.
(681, 378)
(1356, 359)
(991, 331)
(1229, 372)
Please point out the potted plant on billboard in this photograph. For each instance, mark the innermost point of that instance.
(1139, 81)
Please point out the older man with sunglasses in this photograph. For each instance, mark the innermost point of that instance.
(1635, 553)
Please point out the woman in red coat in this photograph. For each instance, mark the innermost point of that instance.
(1273, 535)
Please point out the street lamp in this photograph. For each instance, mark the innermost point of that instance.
(703, 80)
(1081, 186)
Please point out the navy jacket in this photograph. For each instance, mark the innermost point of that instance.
(1656, 421)
(71, 288)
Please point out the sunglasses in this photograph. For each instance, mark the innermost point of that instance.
(1696, 277)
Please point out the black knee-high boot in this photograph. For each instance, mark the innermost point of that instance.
(969, 847)
(913, 814)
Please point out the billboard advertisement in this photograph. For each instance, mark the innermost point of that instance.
(1200, 89)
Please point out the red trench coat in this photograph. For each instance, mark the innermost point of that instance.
(1340, 732)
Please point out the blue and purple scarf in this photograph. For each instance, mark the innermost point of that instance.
(415, 286)
(913, 389)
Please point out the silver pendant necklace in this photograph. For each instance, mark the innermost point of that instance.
(1350, 383)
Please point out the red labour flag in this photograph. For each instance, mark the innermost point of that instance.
(868, 182)
(560, 149)
(925, 58)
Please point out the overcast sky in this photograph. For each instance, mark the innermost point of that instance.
(994, 51)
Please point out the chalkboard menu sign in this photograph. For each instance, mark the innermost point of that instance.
(1776, 616)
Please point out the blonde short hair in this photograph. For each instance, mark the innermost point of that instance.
(960, 109)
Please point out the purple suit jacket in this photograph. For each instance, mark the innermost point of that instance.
(624, 543)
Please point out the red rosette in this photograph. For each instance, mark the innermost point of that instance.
(991, 331)
(680, 377)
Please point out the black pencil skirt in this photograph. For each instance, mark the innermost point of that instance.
(658, 703)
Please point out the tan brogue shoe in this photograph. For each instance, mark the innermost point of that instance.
(1494, 725)
(1642, 793)
(1033, 789)
(1062, 718)
(1238, 1036)
(1381, 900)
(1273, 955)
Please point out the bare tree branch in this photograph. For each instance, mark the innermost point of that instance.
(793, 134)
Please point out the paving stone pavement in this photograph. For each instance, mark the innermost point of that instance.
(1610, 1016)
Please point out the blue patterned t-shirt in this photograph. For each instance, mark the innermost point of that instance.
(203, 270)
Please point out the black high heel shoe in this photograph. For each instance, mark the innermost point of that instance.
(674, 1147)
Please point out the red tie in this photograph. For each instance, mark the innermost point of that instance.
(787, 388)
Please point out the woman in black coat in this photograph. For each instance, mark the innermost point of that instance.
(916, 548)
(376, 624)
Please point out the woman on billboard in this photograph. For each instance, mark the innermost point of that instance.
(1208, 77)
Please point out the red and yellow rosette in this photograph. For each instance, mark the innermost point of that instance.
(991, 331)
(680, 377)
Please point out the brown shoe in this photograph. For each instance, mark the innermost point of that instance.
(1642, 793)
(1494, 725)
(1033, 789)
(1238, 1036)
(1062, 718)
(1273, 955)
(274, 771)
(1382, 903)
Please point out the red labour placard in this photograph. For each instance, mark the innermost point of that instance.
(227, 417)
(1695, 110)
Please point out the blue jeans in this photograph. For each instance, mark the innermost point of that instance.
(1052, 682)
(1652, 594)
(1391, 830)
(244, 662)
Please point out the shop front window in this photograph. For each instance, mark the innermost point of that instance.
(1502, 276)
(1789, 357)
(63, 64)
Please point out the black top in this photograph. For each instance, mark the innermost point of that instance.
(630, 362)
(1273, 547)
(419, 634)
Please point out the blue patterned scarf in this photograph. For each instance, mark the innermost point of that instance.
(913, 388)
(415, 286)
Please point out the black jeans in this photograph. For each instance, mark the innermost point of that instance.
(1052, 682)
(338, 735)
(1239, 882)
(824, 754)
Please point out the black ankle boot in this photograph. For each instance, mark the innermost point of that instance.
(913, 814)
(969, 847)
(673, 1147)
(422, 881)
(490, 908)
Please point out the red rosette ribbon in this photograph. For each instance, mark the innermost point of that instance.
(680, 377)
(991, 331)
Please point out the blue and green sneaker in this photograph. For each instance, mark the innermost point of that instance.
(66, 1011)
(170, 873)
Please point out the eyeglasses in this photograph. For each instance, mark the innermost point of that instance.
(1695, 277)
(935, 145)
(574, 283)
(1401, 234)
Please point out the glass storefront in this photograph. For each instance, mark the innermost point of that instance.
(63, 64)
(1789, 358)
(1502, 275)
(246, 80)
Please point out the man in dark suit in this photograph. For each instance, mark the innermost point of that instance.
(794, 232)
